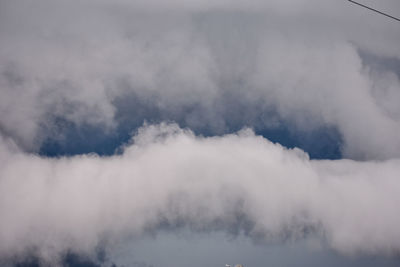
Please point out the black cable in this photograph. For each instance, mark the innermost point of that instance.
(377, 11)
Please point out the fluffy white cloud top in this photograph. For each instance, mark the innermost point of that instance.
(170, 178)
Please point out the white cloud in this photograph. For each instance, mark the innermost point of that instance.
(170, 176)
(197, 59)
(72, 61)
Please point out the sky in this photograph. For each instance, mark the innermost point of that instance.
(185, 132)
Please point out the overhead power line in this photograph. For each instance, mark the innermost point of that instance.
(377, 11)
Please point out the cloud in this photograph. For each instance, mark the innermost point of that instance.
(99, 69)
(170, 178)
(196, 62)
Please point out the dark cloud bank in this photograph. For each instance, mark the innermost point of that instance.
(181, 100)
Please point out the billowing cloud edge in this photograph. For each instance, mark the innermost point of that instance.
(168, 178)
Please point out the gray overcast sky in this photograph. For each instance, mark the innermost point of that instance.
(217, 249)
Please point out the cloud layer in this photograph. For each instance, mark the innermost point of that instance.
(209, 66)
(169, 178)
(197, 72)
